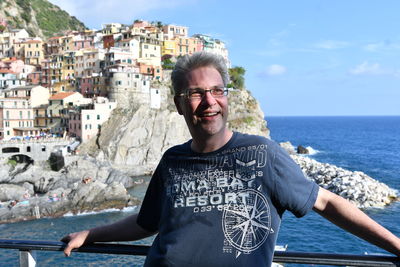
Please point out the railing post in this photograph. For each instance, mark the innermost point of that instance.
(27, 258)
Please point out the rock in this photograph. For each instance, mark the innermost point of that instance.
(288, 147)
(11, 192)
(302, 150)
(357, 187)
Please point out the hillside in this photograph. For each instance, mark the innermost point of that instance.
(38, 17)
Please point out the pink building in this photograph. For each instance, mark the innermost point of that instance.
(34, 77)
(87, 87)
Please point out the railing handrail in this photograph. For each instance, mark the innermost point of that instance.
(140, 250)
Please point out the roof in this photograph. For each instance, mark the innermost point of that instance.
(32, 42)
(61, 95)
(6, 71)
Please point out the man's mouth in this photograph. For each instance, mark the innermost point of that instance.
(208, 114)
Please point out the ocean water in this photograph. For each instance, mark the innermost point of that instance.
(368, 144)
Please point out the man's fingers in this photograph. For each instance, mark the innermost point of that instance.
(67, 250)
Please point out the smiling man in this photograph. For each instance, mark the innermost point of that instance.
(218, 199)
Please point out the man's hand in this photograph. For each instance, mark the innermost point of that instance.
(74, 240)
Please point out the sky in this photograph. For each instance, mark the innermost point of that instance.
(302, 58)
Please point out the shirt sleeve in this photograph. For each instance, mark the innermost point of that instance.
(150, 211)
(292, 189)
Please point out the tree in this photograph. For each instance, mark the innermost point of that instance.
(237, 77)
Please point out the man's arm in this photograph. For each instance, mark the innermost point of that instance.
(347, 216)
(124, 230)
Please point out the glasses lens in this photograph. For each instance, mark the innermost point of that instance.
(195, 93)
(217, 91)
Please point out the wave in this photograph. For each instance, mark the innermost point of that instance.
(312, 151)
(85, 213)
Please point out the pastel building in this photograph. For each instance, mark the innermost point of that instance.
(7, 40)
(85, 121)
(8, 79)
(17, 110)
(33, 52)
(58, 110)
(171, 31)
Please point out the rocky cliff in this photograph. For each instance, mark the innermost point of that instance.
(38, 17)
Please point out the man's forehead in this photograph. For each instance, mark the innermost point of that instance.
(204, 74)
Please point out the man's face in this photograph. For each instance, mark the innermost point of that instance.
(206, 116)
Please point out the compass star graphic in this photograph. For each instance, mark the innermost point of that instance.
(247, 224)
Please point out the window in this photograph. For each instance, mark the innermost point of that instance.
(20, 114)
(98, 116)
(88, 117)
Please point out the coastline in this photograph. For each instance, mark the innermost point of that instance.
(96, 186)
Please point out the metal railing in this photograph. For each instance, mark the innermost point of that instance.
(28, 247)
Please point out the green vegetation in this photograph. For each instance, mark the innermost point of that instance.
(12, 162)
(237, 77)
(167, 64)
(50, 18)
(53, 20)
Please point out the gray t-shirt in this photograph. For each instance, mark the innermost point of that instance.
(222, 208)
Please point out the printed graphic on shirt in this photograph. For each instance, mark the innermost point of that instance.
(247, 225)
(228, 183)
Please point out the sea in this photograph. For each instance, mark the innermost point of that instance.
(369, 144)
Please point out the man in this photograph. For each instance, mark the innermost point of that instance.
(218, 199)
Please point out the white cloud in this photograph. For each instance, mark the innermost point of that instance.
(386, 45)
(366, 68)
(275, 70)
(331, 44)
(95, 13)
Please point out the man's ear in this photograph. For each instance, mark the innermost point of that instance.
(178, 105)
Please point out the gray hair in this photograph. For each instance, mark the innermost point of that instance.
(187, 63)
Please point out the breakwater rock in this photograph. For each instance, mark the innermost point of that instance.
(357, 187)
(83, 185)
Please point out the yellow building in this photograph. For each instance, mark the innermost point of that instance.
(168, 47)
(33, 52)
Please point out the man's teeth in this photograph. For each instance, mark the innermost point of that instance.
(209, 114)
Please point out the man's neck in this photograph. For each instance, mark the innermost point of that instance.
(211, 143)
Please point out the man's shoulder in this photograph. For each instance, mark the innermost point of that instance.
(183, 148)
(254, 139)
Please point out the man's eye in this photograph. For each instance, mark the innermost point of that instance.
(195, 93)
(218, 91)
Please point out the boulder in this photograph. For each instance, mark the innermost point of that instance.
(302, 150)
(11, 192)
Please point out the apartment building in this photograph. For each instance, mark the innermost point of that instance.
(85, 121)
(17, 109)
(171, 31)
(57, 110)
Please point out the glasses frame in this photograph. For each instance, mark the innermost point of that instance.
(186, 93)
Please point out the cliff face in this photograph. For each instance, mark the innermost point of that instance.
(38, 17)
(135, 137)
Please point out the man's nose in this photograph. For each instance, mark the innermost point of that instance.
(208, 99)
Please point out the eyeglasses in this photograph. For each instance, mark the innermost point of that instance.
(199, 93)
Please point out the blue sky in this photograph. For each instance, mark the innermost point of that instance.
(310, 57)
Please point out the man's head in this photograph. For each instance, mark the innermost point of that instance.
(206, 110)
(187, 63)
